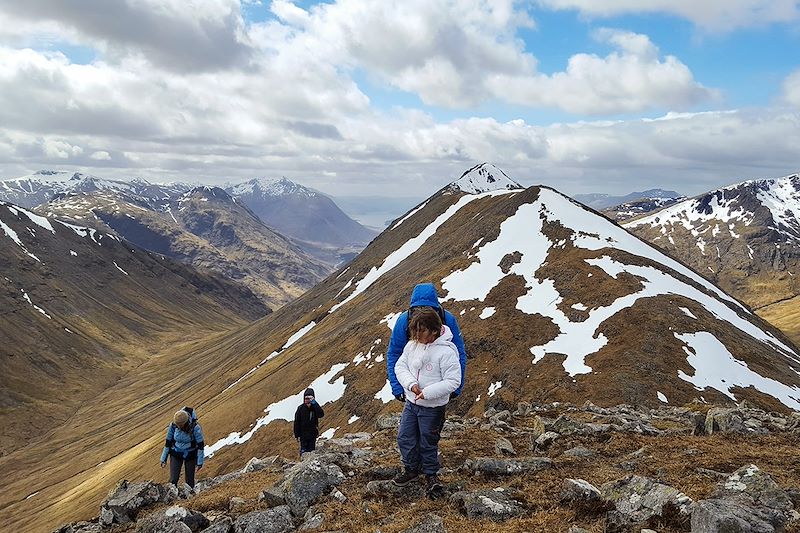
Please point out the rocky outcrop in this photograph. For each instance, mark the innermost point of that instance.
(277, 520)
(494, 504)
(637, 499)
(174, 519)
(505, 467)
(126, 500)
(307, 481)
(749, 500)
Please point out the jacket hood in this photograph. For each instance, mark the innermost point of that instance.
(445, 338)
(424, 294)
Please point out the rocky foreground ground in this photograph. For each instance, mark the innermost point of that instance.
(550, 467)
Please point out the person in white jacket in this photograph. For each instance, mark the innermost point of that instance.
(429, 370)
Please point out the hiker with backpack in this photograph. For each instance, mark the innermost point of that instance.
(423, 295)
(184, 445)
(429, 371)
(306, 422)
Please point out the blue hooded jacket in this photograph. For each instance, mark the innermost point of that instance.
(424, 294)
(179, 442)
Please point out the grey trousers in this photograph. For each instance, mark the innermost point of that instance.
(418, 437)
(175, 464)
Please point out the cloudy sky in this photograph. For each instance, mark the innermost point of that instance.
(379, 98)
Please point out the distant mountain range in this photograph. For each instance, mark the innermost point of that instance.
(556, 303)
(276, 236)
(309, 217)
(602, 201)
(203, 227)
(745, 237)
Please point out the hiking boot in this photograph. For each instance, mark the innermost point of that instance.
(434, 485)
(404, 478)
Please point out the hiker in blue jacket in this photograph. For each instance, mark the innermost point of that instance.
(184, 446)
(423, 295)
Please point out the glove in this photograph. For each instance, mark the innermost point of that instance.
(314, 401)
(400, 397)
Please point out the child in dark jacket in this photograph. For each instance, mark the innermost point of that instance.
(306, 422)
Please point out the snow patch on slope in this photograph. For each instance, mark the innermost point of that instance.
(327, 391)
(716, 367)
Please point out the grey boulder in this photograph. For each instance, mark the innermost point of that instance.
(309, 480)
(277, 520)
(126, 500)
(494, 466)
(494, 505)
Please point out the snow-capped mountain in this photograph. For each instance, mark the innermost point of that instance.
(555, 302)
(42, 186)
(637, 208)
(81, 307)
(602, 201)
(484, 177)
(204, 227)
(307, 216)
(745, 237)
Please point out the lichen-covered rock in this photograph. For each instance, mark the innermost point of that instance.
(503, 446)
(277, 520)
(272, 497)
(383, 488)
(495, 466)
(80, 527)
(126, 500)
(758, 485)
(729, 516)
(636, 499)
(579, 490)
(388, 421)
(564, 425)
(494, 504)
(312, 520)
(431, 524)
(309, 480)
(255, 464)
(546, 439)
(724, 420)
(580, 452)
(175, 519)
(223, 525)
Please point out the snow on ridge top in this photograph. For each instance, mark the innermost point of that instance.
(780, 195)
(270, 187)
(484, 178)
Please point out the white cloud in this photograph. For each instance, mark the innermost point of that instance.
(60, 149)
(714, 15)
(633, 78)
(791, 88)
(182, 35)
(100, 155)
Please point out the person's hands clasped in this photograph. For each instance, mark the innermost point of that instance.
(416, 390)
(163, 465)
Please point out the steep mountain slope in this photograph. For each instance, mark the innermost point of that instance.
(42, 186)
(744, 237)
(555, 303)
(307, 216)
(606, 201)
(77, 302)
(205, 228)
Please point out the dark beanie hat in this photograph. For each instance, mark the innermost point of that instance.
(309, 392)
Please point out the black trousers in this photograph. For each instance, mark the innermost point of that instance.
(175, 464)
(308, 443)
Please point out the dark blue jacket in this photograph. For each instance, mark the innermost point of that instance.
(423, 294)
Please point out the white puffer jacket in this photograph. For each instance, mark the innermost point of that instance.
(434, 367)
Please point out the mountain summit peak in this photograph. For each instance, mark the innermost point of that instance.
(482, 178)
(271, 187)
